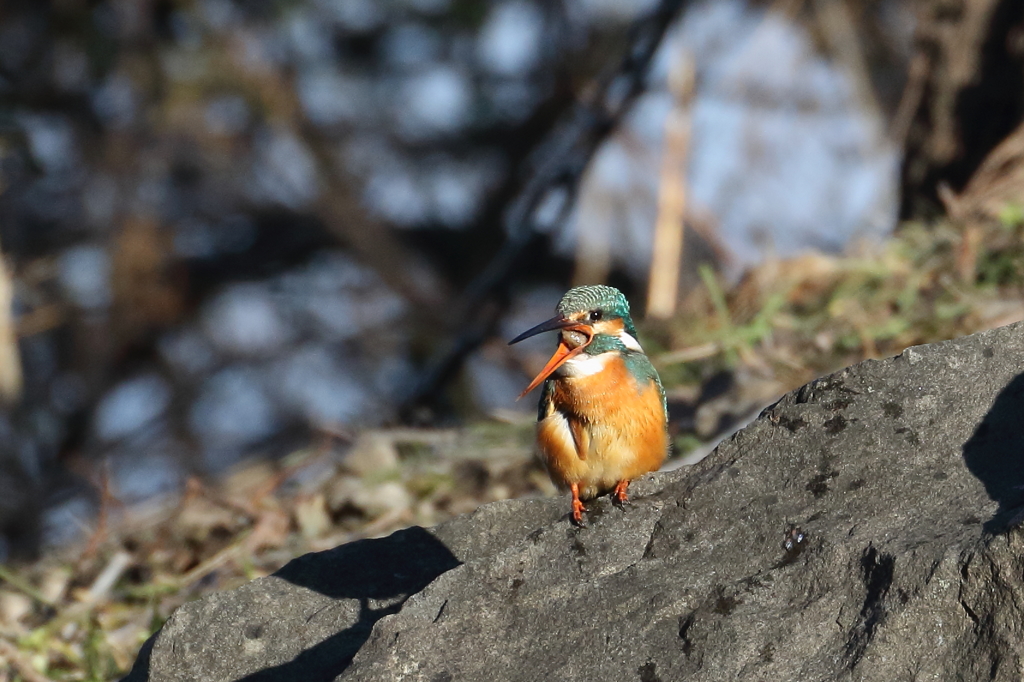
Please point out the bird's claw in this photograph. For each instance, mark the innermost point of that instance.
(577, 505)
(577, 513)
(620, 498)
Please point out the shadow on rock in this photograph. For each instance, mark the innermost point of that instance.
(381, 574)
(372, 578)
(995, 454)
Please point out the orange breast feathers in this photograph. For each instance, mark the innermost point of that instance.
(602, 428)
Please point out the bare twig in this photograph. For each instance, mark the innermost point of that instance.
(910, 100)
(669, 230)
(375, 243)
(705, 350)
(18, 583)
(840, 30)
(115, 568)
(107, 502)
(10, 359)
(224, 556)
(998, 181)
(20, 662)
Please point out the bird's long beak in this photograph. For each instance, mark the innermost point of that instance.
(556, 322)
(563, 352)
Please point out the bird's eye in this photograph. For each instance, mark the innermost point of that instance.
(594, 315)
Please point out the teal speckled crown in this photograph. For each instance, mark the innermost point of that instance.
(608, 300)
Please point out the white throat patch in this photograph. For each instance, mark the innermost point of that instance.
(584, 365)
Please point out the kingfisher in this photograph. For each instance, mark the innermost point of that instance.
(602, 419)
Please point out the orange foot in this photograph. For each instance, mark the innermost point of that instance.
(577, 506)
(619, 497)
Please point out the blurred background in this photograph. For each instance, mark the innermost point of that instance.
(262, 258)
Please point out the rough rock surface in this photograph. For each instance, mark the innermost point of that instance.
(897, 483)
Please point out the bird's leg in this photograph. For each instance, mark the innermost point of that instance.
(577, 506)
(619, 497)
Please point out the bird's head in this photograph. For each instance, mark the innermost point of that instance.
(591, 319)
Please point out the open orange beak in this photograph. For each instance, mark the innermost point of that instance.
(563, 352)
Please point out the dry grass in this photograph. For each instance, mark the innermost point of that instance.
(797, 319)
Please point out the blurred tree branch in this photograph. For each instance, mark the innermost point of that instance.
(964, 95)
(338, 208)
(550, 175)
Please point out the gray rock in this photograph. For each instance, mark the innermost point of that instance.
(863, 528)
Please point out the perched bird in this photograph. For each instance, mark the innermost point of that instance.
(602, 419)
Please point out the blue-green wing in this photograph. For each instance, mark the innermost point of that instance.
(639, 365)
(547, 398)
